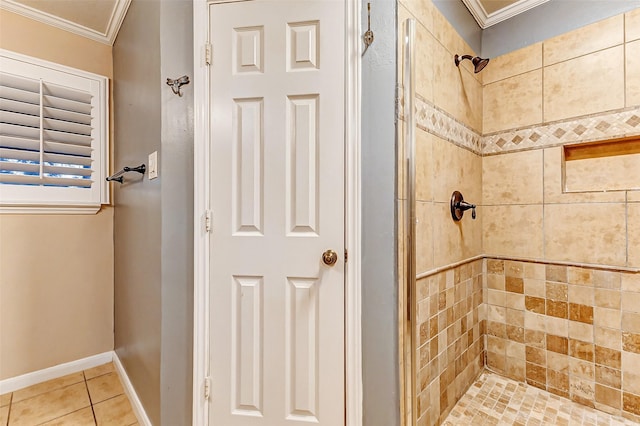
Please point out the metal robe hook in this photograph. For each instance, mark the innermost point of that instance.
(177, 84)
(368, 35)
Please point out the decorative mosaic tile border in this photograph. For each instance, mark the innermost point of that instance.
(595, 127)
(434, 120)
(610, 125)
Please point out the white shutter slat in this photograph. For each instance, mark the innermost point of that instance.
(18, 106)
(68, 159)
(20, 119)
(67, 127)
(63, 148)
(62, 114)
(11, 166)
(19, 154)
(67, 93)
(7, 129)
(19, 95)
(54, 181)
(49, 112)
(67, 104)
(70, 171)
(19, 82)
(57, 159)
(21, 143)
(64, 137)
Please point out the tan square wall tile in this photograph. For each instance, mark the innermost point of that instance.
(513, 63)
(449, 176)
(456, 240)
(632, 25)
(424, 66)
(513, 102)
(633, 224)
(513, 230)
(633, 73)
(585, 85)
(586, 233)
(588, 39)
(424, 167)
(514, 178)
(424, 237)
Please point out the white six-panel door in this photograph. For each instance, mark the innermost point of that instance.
(277, 195)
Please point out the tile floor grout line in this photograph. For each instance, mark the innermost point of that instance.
(86, 384)
(9, 412)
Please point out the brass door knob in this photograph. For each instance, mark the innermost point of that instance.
(329, 257)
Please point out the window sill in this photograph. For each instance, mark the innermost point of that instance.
(93, 209)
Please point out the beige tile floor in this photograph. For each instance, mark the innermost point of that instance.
(90, 397)
(495, 400)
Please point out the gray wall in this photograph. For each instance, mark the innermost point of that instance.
(549, 20)
(379, 282)
(137, 218)
(153, 225)
(538, 24)
(176, 166)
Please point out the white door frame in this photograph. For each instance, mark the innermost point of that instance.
(201, 205)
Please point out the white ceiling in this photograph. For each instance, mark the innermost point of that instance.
(99, 20)
(490, 12)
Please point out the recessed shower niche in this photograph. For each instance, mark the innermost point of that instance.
(602, 166)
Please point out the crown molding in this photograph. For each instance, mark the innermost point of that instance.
(108, 37)
(486, 20)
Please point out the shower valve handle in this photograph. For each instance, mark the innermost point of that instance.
(464, 206)
(459, 206)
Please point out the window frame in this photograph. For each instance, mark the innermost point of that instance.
(22, 199)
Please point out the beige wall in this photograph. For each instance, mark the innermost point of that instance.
(56, 271)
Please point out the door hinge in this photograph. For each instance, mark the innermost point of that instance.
(207, 221)
(207, 388)
(208, 54)
(346, 255)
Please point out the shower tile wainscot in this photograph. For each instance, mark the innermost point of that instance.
(570, 330)
(450, 342)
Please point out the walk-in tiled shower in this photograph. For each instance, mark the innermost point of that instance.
(531, 311)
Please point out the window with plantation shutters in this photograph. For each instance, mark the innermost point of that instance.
(53, 137)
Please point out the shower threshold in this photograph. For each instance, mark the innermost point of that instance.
(496, 400)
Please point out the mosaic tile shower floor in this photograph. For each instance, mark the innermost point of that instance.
(495, 400)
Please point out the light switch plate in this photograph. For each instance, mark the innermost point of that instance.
(153, 165)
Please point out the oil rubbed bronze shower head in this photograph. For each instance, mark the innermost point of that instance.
(478, 62)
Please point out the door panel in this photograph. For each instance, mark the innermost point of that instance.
(277, 195)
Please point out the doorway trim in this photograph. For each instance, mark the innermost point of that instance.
(201, 206)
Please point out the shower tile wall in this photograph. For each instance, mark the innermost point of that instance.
(450, 307)
(571, 328)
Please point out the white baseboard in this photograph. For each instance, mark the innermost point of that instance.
(138, 409)
(14, 383)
